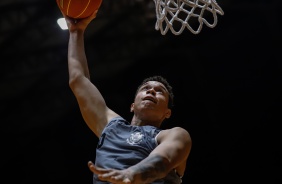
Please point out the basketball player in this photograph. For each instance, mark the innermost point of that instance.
(128, 152)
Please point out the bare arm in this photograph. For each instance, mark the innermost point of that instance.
(91, 103)
(172, 153)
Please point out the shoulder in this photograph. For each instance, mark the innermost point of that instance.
(115, 123)
(117, 119)
(177, 133)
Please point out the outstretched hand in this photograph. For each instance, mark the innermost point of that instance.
(112, 175)
(79, 24)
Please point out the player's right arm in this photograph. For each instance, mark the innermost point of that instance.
(92, 105)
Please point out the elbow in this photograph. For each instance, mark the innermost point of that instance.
(74, 80)
(72, 83)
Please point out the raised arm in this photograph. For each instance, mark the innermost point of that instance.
(91, 103)
(171, 153)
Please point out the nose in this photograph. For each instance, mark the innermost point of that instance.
(151, 91)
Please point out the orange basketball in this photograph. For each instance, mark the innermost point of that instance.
(78, 8)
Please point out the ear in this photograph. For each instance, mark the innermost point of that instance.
(168, 113)
(132, 107)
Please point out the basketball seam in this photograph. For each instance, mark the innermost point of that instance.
(84, 9)
(61, 3)
(68, 7)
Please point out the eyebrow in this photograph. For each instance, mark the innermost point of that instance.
(161, 85)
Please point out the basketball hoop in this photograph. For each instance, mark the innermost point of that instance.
(172, 12)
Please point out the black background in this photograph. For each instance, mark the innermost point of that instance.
(226, 80)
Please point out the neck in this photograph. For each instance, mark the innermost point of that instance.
(142, 122)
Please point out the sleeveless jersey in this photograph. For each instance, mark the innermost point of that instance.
(122, 145)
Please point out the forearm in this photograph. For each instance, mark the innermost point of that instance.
(150, 169)
(77, 61)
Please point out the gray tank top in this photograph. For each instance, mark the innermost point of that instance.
(122, 145)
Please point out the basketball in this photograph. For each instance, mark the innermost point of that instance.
(78, 8)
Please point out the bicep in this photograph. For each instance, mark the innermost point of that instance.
(174, 146)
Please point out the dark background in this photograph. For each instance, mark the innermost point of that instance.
(226, 80)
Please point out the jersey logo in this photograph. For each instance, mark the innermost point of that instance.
(135, 138)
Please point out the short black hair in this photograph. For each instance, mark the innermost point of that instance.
(162, 80)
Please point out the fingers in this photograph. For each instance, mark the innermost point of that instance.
(94, 14)
(79, 24)
(93, 168)
(110, 175)
(97, 170)
(114, 177)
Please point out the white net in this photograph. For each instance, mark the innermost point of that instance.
(181, 14)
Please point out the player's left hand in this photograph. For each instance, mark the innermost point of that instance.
(112, 175)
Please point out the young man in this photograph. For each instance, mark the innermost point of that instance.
(136, 152)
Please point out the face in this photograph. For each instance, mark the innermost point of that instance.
(151, 102)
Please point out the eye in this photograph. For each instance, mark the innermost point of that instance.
(144, 88)
(159, 90)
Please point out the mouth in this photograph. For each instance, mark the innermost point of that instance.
(150, 99)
